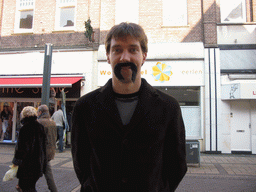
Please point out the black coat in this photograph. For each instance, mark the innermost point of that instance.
(146, 155)
(30, 151)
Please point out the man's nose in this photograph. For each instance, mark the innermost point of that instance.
(125, 56)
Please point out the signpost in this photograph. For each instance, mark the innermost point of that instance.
(47, 74)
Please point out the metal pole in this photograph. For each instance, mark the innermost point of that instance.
(47, 74)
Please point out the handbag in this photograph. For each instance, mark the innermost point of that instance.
(11, 173)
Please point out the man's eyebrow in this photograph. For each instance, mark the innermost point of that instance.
(115, 46)
(132, 45)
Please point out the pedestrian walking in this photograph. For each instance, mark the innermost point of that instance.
(30, 151)
(58, 117)
(51, 135)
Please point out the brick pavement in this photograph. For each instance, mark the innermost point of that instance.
(62, 167)
(66, 181)
(226, 165)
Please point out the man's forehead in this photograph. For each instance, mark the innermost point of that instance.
(129, 41)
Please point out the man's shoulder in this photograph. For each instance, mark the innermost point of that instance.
(89, 96)
(163, 97)
(86, 100)
(58, 112)
(46, 122)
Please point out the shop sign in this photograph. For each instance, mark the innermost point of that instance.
(230, 91)
(36, 92)
(239, 90)
(162, 73)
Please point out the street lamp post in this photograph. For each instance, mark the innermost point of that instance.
(47, 74)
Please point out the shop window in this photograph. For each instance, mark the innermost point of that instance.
(6, 121)
(238, 61)
(187, 96)
(233, 11)
(10, 124)
(189, 100)
(127, 11)
(24, 16)
(65, 14)
(175, 13)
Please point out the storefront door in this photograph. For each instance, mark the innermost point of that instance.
(10, 122)
(6, 122)
(240, 126)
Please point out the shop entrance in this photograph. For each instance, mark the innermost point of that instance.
(241, 126)
(10, 122)
(6, 122)
(189, 100)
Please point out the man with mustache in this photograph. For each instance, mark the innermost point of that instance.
(128, 136)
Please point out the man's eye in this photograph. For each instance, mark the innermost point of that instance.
(133, 50)
(117, 50)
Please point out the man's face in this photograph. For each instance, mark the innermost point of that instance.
(39, 113)
(126, 58)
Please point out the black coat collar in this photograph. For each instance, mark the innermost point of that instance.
(147, 97)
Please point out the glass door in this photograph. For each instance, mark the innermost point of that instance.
(6, 121)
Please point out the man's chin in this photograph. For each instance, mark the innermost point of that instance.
(126, 72)
(126, 80)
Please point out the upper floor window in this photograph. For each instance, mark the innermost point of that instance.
(24, 15)
(65, 14)
(233, 11)
(175, 13)
(127, 11)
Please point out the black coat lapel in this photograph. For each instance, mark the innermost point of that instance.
(147, 99)
(107, 101)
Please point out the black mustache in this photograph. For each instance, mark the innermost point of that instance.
(118, 67)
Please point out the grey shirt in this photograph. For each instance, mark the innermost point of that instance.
(126, 105)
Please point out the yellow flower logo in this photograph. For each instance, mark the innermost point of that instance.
(161, 72)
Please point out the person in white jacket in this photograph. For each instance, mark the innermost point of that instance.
(58, 117)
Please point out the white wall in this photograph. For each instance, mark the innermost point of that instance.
(212, 100)
(63, 62)
(33, 62)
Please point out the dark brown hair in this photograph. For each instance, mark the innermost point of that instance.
(127, 29)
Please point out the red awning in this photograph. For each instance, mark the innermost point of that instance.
(38, 81)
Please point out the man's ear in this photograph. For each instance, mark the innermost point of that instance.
(107, 54)
(144, 57)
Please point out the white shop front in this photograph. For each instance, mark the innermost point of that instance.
(22, 77)
(175, 70)
(239, 98)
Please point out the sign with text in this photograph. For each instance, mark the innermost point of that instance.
(162, 73)
(36, 92)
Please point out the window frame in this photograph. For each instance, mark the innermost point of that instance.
(59, 6)
(167, 13)
(19, 9)
(123, 6)
(223, 17)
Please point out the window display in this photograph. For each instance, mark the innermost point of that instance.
(6, 121)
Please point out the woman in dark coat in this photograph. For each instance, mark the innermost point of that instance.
(30, 152)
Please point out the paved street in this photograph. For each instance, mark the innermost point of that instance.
(62, 167)
(229, 173)
(216, 173)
